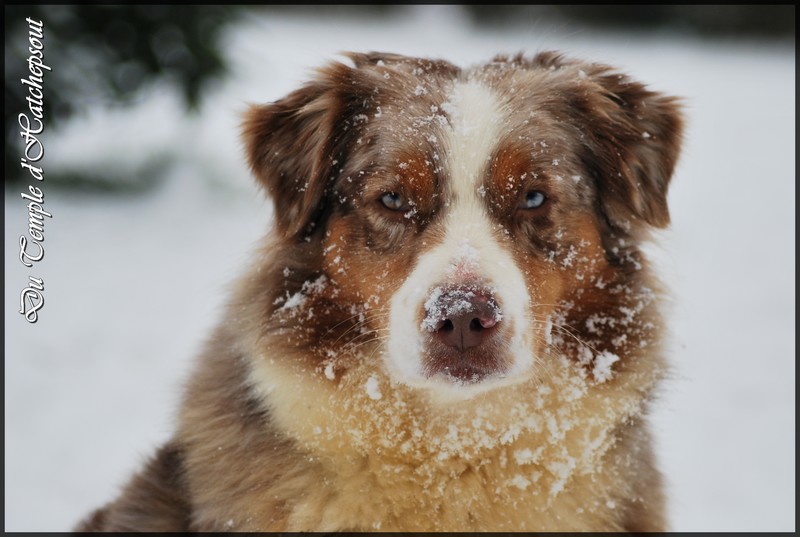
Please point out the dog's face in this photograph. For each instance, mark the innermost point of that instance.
(465, 221)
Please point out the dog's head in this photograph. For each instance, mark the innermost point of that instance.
(466, 220)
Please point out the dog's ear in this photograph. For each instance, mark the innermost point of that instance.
(296, 145)
(632, 138)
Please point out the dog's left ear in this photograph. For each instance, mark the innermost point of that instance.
(632, 140)
(296, 145)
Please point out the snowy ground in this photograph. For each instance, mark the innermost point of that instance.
(132, 285)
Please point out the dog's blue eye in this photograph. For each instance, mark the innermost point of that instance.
(393, 201)
(532, 200)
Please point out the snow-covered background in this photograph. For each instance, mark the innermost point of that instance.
(133, 284)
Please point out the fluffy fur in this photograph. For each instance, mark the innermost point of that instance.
(333, 396)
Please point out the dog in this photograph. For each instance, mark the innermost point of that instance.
(452, 325)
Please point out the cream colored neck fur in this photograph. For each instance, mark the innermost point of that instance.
(385, 456)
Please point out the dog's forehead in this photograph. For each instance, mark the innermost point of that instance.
(494, 123)
(421, 101)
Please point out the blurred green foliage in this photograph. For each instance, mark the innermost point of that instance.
(105, 54)
(762, 21)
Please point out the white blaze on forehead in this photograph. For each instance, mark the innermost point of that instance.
(475, 126)
(470, 251)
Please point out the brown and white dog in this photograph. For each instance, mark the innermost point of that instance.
(452, 326)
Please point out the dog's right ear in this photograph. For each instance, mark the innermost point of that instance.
(296, 145)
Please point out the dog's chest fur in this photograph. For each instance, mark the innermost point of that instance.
(300, 451)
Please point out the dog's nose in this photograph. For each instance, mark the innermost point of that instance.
(463, 318)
